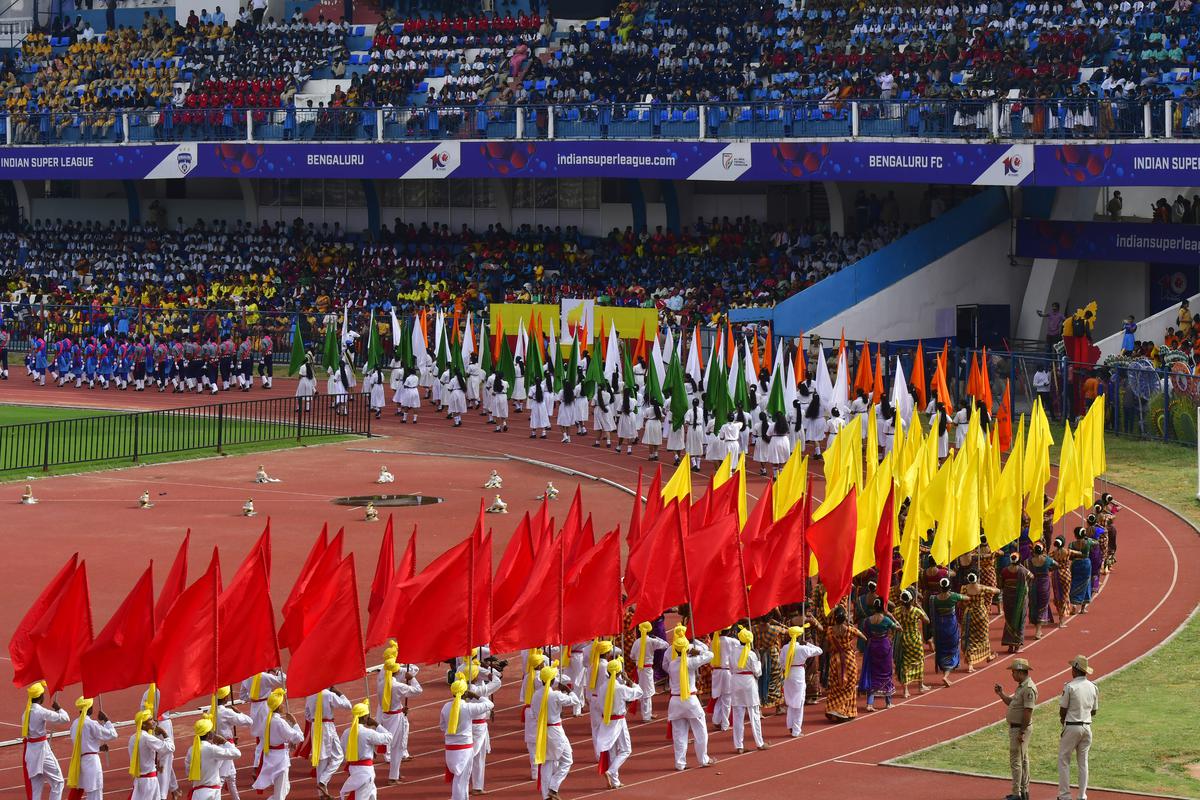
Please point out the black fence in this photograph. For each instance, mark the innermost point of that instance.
(217, 427)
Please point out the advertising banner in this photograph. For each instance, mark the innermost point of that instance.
(1109, 241)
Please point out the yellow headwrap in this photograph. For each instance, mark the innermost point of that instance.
(151, 701)
(614, 669)
(458, 689)
(359, 711)
(794, 632)
(680, 646)
(256, 688)
(747, 639)
(644, 629)
(203, 727)
(34, 690)
(599, 648)
(223, 692)
(390, 668)
(274, 701)
(676, 632)
(533, 665)
(83, 704)
(135, 761)
(392, 650)
(548, 674)
(716, 648)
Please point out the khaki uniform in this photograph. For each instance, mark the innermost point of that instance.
(1081, 699)
(1024, 697)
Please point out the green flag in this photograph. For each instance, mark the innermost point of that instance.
(485, 349)
(505, 366)
(573, 360)
(443, 352)
(722, 405)
(679, 398)
(741, 397)
(533, 363)
(330, 358)
(627, 368)
(374, 346)
(297, 359)
(404, 352)
(653, 387)
(456, 361)
(775, 402)
(595, 370)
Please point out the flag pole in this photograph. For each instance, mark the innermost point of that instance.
(687, 587)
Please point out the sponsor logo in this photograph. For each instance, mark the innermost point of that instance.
(184, 162)
(440, 159)
(1012, 165)
(729, 161)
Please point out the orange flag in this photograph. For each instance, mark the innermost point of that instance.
(973, 388)
(1004, 420)
(985, 383)
(863, 380)
(730, 352)
(800, 367)
(768, 356)
(755, 359)
(943, 391)
(918, 377)
(877, 392)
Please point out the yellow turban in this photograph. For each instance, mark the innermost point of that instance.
(599, 647)
(747, 639)
(548, 674)
(223, 692)
(202, 728)
(533, 665)
(794, 632)
(644, 629)
(274, 701)
(614, 669)
(135, 762)
(83, 704)
(33, 691)
(392, 650)
(681, 645)
(458, 689)
(359, 711)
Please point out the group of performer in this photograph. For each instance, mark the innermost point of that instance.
(179, 364)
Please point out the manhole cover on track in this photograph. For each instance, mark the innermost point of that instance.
(388, 500)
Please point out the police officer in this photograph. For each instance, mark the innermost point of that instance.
(1080, 702)
(1020, 719)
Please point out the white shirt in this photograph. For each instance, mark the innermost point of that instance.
(148, 750)
(1081, 699)
(1041, 381)
(211, 757)
(467, 713)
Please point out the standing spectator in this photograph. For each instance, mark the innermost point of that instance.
(1115, 204)
(1079, 703)
(110, 15)
(1054, 323)
(1020, 719)
(257, 9)
(1183, 318)
(1041, 387)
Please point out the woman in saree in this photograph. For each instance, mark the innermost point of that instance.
(1111, 507)
(978, 646)
(878, 663)
(1014, 589)
(931, 578)
(841, 692)
(1099, 539)
(1043, 568)
(910, 656)
(864, 607)
(1081, 571)
(1061, 584)
(946, 634)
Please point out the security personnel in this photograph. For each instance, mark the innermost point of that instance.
(1080, 702)
(1020, 719)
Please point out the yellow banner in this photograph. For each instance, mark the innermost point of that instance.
(628, 321)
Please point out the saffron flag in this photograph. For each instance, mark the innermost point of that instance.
(918, 377)
(120, 656)
(22, 648)
(312, 599)
(185, 648)
(333, 650)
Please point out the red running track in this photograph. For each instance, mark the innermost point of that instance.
(1143, 602)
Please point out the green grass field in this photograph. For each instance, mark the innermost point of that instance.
(1147, 735)
(89, 440)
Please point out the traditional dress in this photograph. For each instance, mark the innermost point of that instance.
(687, 715)
(91, 734)
(1096, 554)
(743, 686)
(1014, 588)
(841, 691)
(215, 759)
(910, 659)
(394, 703)
(330, 748)
(460, 742)
(612, 736)
(360, 766)
(1081, 572)
(978, 645)
(228, 720)
(878, 661)
(147, 747)
(1039, 599)
(795, 681)
(644, 648)
(481, 742)
(279, 737)
(559, 756)
(1061, 585)
(41, 767)
(945, 629)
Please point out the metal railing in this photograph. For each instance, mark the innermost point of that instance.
(1009, 119)
(216, 427)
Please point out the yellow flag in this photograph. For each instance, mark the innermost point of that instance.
(941, 497)
(1066, 496)
(871, 445)
(790, 485)
(910, 544)
(741, 491)
(870, 503)
(680, 484)
(964, 531)
(724, 472)
(1002, 520)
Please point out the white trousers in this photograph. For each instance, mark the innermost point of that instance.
(619, 752)
(360, 784)
(327, 767)
(143, 789)
(646, 682)
(739, 725)
(280, 787)
(458, 764)
(679, 738)
(479, 753)
(559, 758)
(721, 709)
(51, 776)
(1075, 740)
(794, 692)
(397, 725)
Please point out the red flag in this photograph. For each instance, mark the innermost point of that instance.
(428, 615)
(120, 656)
(832, 541)
(574, 531)
(312, 599)
(515, 566)
(654, 500)
(635, 515)
(722, 501)
(185, 648)
(1004, 420)
(310, 564)
(176, 580)
(251, 563)
(884, 542)
(385, 569)
(535, 618)
(541, 526)
(716, 588)
(64, 633)
(246, 632)
(408, 559)
(593, 591)
(481, 589)
(333, 650)
(782, 580)
(659, 550)
(755, 536)
(22, 649)
(973, 379)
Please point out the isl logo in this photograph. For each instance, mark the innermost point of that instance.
(1012, 165)
(184, 161)
(440, 159)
